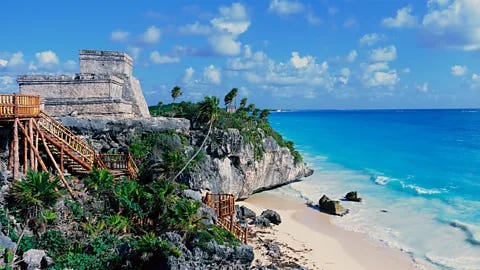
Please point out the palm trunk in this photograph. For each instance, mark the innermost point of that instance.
(196, 153)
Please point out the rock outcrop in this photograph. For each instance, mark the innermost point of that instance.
(331, 207)
(353, 196)
(272, 216)
(231, 166)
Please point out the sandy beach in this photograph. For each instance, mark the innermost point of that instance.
(307, 237)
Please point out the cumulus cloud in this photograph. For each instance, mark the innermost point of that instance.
(379, 74)
(352, 56)
(157, 58)
(3, 63)
(7, 84)
(404, 18)
(385, 54)
(47, 58)
(151, 35)
(344, 76)
(232, 22)
(212, 75)
(371, 39)
(70, 65)
(452, 24)
(458, 70)
(475, 77)
(300, 62)
(285, 7)
(119, 36)
(248, 61)
(423, 87)
(188, 75)
(16, 59)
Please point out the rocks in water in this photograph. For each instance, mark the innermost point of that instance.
(331, 207)
(272, 216)
(261, 221)
(36, 259)
(353, 196)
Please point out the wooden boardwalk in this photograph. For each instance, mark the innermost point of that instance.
(34, 132)
(224, 205)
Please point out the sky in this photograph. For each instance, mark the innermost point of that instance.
(290, 54)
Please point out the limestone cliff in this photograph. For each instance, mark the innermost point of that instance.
(230, 166)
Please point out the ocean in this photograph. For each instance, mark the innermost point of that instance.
(418, 172)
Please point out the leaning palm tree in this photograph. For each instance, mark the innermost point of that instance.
(230, 96)
(243, 103)
(208, 113)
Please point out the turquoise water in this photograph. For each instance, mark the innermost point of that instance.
(418, 171)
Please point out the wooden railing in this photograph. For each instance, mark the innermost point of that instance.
(16, 105)
(68, 138)
(122, 162)
(224, 205)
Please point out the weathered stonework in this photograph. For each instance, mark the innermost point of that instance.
(104, 87)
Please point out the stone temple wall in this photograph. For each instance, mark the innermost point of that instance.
(104, 87)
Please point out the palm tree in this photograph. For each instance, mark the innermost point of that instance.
(176, 92)
(230, 96)
(264, 114)
(208, 112)
(251, 107)
(243, 103)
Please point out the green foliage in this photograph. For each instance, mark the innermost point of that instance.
(76, 209)
(34, 194)
(149, 245)
(99, 181)
(219, 234)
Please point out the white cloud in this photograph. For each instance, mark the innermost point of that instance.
(188, 75)
(475, 77)
(404, 18)
(350, 22)
(379, 74)
(16, 59)
(453, 24)
(212, 75)
(313, 19)
(70, 65)
(437, 3)
(352, 56)
(157, 58)
(458, 70)
(249, 60)
(344, 76)
(423, 87)
(406, 70)
(47, 58)
(3, 63)
(134, 51)
(119, 36)
(232, 22)
(385, 54)
(300, 62)
(371, 39)
(151, 35)
(195, 29)
(7, 84)
(285, 7)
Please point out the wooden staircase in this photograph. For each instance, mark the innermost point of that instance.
(224, 205)
(76, 155)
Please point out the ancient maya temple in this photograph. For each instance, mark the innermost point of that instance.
(105, 86)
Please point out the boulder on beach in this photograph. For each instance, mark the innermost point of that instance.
(331, 207)
(353, 196)
(271, 215)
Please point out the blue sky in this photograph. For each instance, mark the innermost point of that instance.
(321, 54)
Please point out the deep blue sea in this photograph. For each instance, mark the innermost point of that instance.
(417, 170)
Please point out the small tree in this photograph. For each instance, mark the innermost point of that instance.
(230, 96)
(243, 103)
(176, 92)
(264, 114)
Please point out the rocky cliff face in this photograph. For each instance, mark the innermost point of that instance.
(230, 165)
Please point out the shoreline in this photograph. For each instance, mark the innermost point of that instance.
(307, 236)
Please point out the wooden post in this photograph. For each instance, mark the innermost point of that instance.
(10, 153)
(30, 135)
(25, 152)
(35, 166)
(61, 160)
(16, 158)
(35, 150)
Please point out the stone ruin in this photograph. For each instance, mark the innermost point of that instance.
(104, 87)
